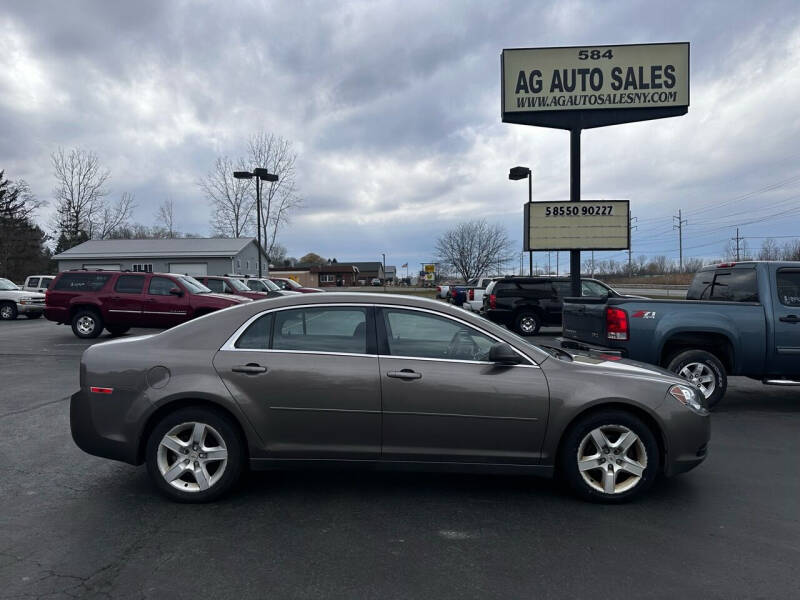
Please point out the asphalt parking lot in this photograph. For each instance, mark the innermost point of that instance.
(72, 525)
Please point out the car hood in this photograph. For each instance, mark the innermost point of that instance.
(17, 294)
(614, 365)
(231, 297)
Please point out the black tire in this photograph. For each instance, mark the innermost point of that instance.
(8, 311)
(610, 419)
(223, 427)
(527, 323)
(711, 364)
(87, 324)
(35, 315)
(117, 330)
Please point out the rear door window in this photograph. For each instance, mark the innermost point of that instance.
(736, 285)
(321, 329)
(257, 336)
(82, 282)
(46, 281)
(129, 284)
(789, 287)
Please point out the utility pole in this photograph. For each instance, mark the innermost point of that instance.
(680, 222)
(557, 269)
(592, 263)
(631, 220)
(738, 240)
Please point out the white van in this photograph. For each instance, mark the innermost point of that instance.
(37, 283)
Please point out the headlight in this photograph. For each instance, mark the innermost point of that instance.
(689, 397)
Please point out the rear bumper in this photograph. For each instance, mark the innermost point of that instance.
(56, 313)
(92, 418)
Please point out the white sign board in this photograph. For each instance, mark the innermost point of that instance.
(584, 225)
(595, 77)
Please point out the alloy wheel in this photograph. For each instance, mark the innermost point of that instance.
(192, 457)
(6, 312)
(701, 375)
(612, 459)
(86, 325)
(527, 324)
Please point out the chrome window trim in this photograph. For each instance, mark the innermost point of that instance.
(230, 346)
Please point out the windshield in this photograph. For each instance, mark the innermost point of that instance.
(238, 285)
(594, 288)
(291, 283)
(5, 284)
(194, 286)
(271, 287)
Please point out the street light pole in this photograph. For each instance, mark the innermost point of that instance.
(515, 174)
(260, 175)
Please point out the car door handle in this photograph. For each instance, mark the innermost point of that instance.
(790, 319)
(404, 374)
(249, 368)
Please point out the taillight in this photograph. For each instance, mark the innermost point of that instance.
(616, 323)
(438, 288)
(492, 301)
(472, 294)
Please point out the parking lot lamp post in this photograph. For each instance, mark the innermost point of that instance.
(260, 175)
(383, 254)
(515, 174)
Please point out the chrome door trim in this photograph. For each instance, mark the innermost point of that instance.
(229, 344)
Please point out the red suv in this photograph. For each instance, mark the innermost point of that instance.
(119, 300)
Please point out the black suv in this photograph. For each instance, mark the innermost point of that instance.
(524, 304)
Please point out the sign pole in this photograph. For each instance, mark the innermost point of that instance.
(530, 199)
(575, 196)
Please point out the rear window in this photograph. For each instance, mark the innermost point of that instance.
(730, 285)
(129, 284)
(82, 282)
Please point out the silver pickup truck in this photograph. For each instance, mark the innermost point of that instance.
(14, 301)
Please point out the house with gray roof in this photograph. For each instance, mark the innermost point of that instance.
(191, 256)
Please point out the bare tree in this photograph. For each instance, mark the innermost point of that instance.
(279, 198)
(165, 217)
(112, 217)
(769, 250)
(79, 192)
(231, 199)
(474, 248)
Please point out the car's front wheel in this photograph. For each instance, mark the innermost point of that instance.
(609, 456)
(8, 311)
(194, 455)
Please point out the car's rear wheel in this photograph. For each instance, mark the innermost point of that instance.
(87, 324)
(705, 371)
(8, 311)
(115, 331)
(527, 323)
(194, 455)
(609, 456)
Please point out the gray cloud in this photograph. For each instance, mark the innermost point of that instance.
(394, 109)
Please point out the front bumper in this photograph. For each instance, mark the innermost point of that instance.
(27, 309)
(687, 436)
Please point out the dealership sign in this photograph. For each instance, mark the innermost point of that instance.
(608, 84)
(585, 225)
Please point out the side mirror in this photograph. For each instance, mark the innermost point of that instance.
(503, 354)
(176, 291)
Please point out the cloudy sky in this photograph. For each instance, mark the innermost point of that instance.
(394, 111)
